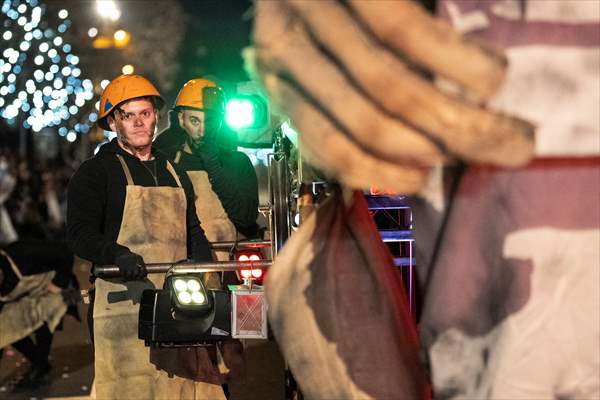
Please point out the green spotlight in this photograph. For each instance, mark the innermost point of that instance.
(240, 113)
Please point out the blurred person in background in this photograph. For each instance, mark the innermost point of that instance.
(8, 233)
(37, 286)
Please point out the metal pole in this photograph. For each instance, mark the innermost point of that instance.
(112, 271)
(244, 244)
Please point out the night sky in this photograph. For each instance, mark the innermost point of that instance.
(217, 30)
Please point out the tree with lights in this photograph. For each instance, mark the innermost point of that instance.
(41, 84)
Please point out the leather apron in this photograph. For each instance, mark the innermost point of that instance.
(154, 226)
(28, 306)
(213, 218)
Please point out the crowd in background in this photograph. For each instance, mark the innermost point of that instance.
(32, 197)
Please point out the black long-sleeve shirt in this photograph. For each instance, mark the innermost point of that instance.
(96, 199)
(230, 173)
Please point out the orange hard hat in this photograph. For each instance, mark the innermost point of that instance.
(201, 94)
(123, 88)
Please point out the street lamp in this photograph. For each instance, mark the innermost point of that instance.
(108, 9)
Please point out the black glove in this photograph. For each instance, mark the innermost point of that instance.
(131, 266)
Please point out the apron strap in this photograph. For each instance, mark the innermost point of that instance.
(177, 157)
(172, 171)
(128, 173)
(125, 169)
(12, 264)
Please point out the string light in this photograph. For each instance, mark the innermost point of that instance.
(38, 61)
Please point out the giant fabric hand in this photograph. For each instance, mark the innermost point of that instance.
(352, 77)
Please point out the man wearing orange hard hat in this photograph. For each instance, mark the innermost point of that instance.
(224, 180)
(128, 206)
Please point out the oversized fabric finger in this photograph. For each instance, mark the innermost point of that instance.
(324, 146)
(283, 46)
(470, 132)
(409, 29)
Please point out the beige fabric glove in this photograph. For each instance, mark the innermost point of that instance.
(353, 79)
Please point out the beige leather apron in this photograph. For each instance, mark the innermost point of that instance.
(213, 218)
(154, 226)
(28, 306)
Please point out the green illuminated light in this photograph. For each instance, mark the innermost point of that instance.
(239, 113)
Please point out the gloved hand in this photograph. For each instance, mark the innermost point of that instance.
(131, 266)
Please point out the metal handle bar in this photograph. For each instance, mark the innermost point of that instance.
(112, 271)
(243, 244)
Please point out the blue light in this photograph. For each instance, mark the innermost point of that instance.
(67, 48)
(37, 34)
(62, 131)
(62, 28)
(73, 110)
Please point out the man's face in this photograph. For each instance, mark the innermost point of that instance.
(194, 123)
(135, 123)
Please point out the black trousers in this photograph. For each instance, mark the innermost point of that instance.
(36, 352)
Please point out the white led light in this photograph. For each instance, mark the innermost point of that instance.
(38, 60)
(184, 297)
(24, 46)
(57, 41)
(180, 285)
(92, 32)
(104, 83)
(198, 298)
(62, 14)
(193, 285)
(7, 35)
